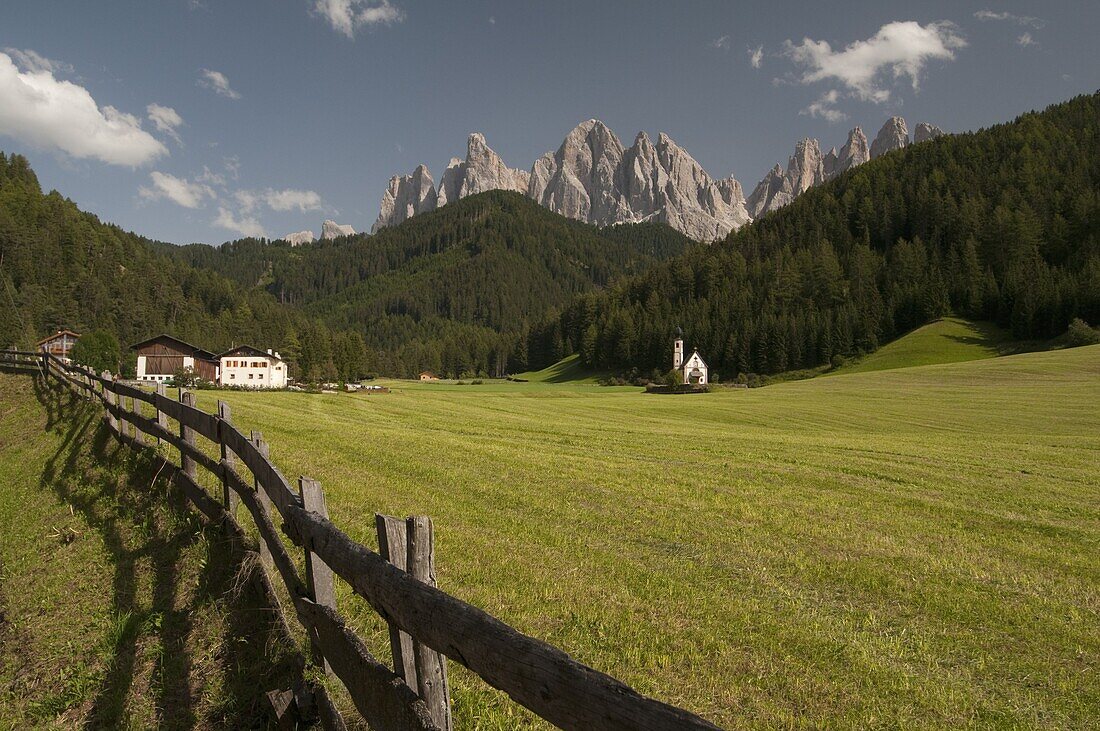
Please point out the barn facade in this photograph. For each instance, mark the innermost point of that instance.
(159, 358)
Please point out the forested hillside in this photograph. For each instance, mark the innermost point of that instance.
(61, 267)
(453, 290)
(1001, 224)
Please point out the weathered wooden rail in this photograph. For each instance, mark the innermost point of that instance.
(425, 622)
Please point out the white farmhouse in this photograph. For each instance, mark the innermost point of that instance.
(694, 369)
(250, 367)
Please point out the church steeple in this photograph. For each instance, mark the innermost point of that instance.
(678, 349)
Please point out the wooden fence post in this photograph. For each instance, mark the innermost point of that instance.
(230, 498)
(123, 422)
(393, 546)
(319, 580)
(187, 434)
(112, 399)
(135, 406)
(431, 666)
(162, 418)
(257, 438)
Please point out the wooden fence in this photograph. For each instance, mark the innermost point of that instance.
(426, 624)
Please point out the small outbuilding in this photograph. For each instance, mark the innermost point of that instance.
(428, 376)
(59, 344)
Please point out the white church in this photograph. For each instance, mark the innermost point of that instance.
(694, 369)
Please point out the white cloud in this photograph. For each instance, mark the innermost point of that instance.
(1028, 20)
(232, 166)
(492, 20)
(211, 177)
(278, 200)
(245, 225)
(825, 107)
(289, 200)
(1026, 40)
(166, 119)
(217, 81)
(178, 190)
(247, 200)
(347, 16)
(900, 49)
(723, 43)
(33, 61)
(40, 110)
(756, 56)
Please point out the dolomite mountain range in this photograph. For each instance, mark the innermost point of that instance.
(592, 177)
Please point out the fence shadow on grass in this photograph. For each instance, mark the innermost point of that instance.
(194, 644)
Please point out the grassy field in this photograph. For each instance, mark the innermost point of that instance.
(950, 340)
(118, 609)
(905, 548)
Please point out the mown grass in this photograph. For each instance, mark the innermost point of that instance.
(950, 340)
(906, 548)
(119, 609)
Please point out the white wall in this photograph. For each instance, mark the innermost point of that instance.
(143, 375)
(253, 371)
(692, 363)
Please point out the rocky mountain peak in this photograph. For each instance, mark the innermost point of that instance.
(482, 170)
(926, 131)
(331, 230)
(406, 196)
(299, 238)
(592, 177)
(893, 136)
(805, 169)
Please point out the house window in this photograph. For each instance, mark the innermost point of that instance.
(261, 376)
(232, 376)
(250, 376)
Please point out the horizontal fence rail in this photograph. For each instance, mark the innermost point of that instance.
(423, 619)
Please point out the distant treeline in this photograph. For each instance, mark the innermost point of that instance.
(1002, 225)
(453, 291)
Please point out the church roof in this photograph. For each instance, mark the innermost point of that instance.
(695, 354)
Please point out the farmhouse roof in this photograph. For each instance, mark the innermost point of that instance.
(57, 334)
(177, 344)
(248, 350)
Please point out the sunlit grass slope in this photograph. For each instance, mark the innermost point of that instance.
(950, 340)
(906, 548)
(566, 370)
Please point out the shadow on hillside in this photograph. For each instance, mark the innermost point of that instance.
(195, 646)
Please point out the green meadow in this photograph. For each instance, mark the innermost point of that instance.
(917, 547)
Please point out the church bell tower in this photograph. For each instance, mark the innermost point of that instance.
(678, 349)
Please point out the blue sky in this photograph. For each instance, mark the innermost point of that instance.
(201, 120)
